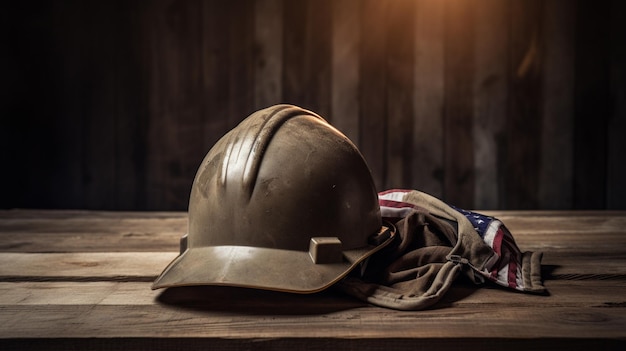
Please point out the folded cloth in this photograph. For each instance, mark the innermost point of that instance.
(437, 242)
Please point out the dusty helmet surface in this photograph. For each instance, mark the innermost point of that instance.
(284, 201)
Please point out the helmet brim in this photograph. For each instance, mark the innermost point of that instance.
(260, 268)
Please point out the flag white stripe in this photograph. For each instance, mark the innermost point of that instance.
(491, 231)
(394, 196)
(503, 275)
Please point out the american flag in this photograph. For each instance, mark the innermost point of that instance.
(507, 270)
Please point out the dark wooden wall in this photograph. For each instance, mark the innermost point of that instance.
(489, 104)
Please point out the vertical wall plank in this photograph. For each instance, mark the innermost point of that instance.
(127, 108)
(294, 52)
(521, 180)
(557, 159)
(491, 43)
(134, 121)
(400, 64)
(228, 71)
(591, 109)
(616, 159)
(175, 104)
(97, 122)
(113, 150)
(319, 57)
(501, 104)
(214, 73)
(268, 31)
(458, 122)
(428, 96)
(99, 133)
(241, 59)
(307, 54)
(373, 80)
(67, 126)
(346, 40)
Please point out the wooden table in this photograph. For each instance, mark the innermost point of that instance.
(79, 280)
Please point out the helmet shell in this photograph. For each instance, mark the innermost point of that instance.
(263, 197)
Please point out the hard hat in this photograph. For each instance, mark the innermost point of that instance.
(284, 201)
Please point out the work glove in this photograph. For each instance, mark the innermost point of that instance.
(435, 243)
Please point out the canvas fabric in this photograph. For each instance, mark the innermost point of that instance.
(436, 243)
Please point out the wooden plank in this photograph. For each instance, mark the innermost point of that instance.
(176, 104)
(114, 136)
(81, 231)
(14, 92)
(214, 71)
(563, 293)
(140, 239)
(458, 120)
(132, 118)
(373, 83)
(530, 233)
(560, 263)
(98, 42)
(103, 300)
(400, 76)
(307, 55)
(89, 109)
(294, 52)
(113, 321)
(557, 160)
(94, 266)
(308, 317)
(76, 294)
(308, 343)
(66, 130)
(571, 215)
(523, 149)
(93, 231)
(318, 60)
(616, 143)
(491, 43)
(427, 159)
(346, 43)
(241, 50)
(591, 109)
(68, 215)
(268, 35)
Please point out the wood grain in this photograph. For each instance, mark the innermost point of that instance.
(146, 266)
(495, 104)
(458, 114)
(188, 311)
(268, 35)
(400, 78)
(81, 231)
(90, 289)
(523, 153)
(573, 293)
(346, 45)
(558, 105)
(616, 167)
(97, 231)
(428, 88)
(491, 97)
(372, 90)
(307, 54)
(591, 96)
